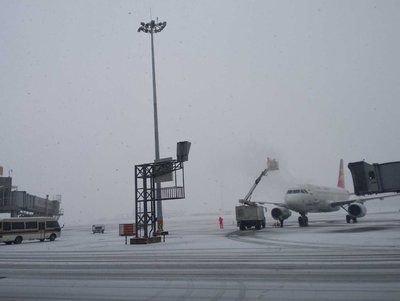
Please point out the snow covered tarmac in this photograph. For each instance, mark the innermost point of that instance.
(329, 260)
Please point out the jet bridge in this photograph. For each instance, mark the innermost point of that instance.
(375, 178)
(21, 203)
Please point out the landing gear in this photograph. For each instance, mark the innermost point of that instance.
(281, 222)
(303, 221)
(350, 218)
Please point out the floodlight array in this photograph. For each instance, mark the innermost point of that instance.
(152, 26)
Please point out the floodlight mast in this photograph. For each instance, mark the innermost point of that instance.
(154, 27)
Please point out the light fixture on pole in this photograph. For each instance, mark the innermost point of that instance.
(155, 27)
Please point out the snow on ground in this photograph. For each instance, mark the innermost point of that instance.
(329, 260)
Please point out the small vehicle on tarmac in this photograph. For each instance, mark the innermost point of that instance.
(98, 228)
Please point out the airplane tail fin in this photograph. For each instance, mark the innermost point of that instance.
(340, 183)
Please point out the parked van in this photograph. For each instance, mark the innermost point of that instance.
(98, 228)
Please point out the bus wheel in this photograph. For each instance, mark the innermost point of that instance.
(18, 240)
(52, 237)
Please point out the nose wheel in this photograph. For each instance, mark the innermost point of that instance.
(303, 221)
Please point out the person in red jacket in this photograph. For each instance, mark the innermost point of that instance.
(221, 222)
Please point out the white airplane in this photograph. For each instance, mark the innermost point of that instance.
(310, 198)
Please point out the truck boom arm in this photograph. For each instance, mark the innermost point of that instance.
(248, 195)
(272, 164)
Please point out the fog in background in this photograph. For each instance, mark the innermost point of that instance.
(305, 82)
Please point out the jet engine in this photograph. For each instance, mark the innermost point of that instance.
(357, 210)
(280, 213)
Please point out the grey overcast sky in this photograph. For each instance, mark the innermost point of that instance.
(305, 82)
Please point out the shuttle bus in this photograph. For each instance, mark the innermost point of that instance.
(16, 229)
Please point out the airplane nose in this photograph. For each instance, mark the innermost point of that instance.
(289, 199)
(292, 202)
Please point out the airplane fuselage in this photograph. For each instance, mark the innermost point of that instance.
(312, 198)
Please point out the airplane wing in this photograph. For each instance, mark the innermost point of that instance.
(341, 203)
(276, 204)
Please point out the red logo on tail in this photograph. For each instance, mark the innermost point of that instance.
(340, 182)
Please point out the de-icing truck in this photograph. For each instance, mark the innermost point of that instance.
(250, 214)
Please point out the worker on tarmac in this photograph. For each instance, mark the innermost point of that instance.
(221, 222)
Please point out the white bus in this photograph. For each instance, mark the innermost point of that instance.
(16, 229)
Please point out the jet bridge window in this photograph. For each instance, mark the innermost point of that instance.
(371, 176)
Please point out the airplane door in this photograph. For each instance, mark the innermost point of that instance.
(42, 234)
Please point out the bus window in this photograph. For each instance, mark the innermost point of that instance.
(52, 224)
(41, 225)
(17, 225)
(7, 226)
(31, 225)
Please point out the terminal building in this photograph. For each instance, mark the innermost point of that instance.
(21, 203)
